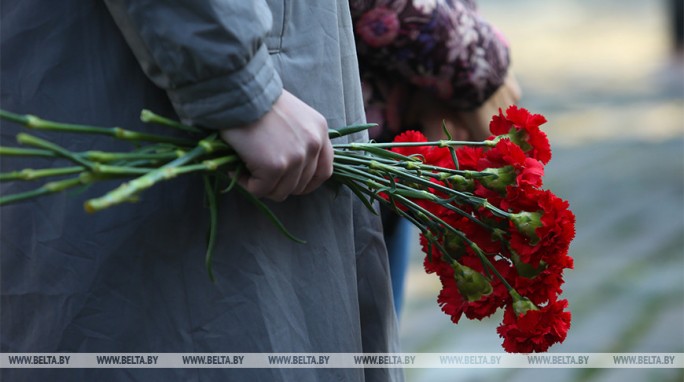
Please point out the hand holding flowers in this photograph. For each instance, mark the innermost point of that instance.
(491, 234)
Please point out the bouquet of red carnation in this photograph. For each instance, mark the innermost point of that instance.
(506, 245)
(492, 235)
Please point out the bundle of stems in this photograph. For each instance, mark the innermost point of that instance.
(494, 201)
(370, 170)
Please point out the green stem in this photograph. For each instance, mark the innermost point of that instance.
(127, 190)
(148, 116)
(34, 122)
(31, 140)
(433, 171)
(464, 237)
(471, 199)
(408, 177)
(48, 188)
(423, 227)
(389, 145)
(351, 129)
(207, 165)
(20, 151)
(383, 182)
(372, 149)
(12, 117)
(31, 174)
(120, 170)
(210, 191)
(492, 268)
(364, 177)
(269, 214)
(101, 156)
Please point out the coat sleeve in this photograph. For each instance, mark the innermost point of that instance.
(441, 46)
(208, 55)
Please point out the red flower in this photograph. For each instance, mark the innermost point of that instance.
(434, 263)
(523, 129)
(545, 286)
(455, 305)
(489, 304)
(378, 27)
(430, 154)
(535, 330)
(450, 300)
(467, 157)
(553, 231)
(479, 235)
(512, 167)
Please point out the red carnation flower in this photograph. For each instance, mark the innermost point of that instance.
(467, 157)
(430, 154)
(545, 286)
(452, 302)
(378, 27)
(455, 305)
(511, 167)
(545, 233)
(434, 263)
(479, 235)
(535, 330)
(523, 129)
(489, 304)
(450, 299)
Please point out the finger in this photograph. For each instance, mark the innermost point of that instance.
(308, 173)
(289, 180)
(262, 182)
(324, 169)
(314, 150)
(319, 166)
(259, 187)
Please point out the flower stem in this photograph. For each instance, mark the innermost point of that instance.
(148, 116)
(206, 165)
(210, 191)
(31, 174)
(20, 151)
(48, 188)
(34, 122)
(350, 157)
(127, 190)
(31, 140)
(351, 129)
(389, 145)
(101, 156)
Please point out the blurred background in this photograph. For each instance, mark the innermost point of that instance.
(607, 76)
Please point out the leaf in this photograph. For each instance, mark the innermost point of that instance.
(233, 179)
(359, 194)
(210, 191)
(336, 133)
(271, 216)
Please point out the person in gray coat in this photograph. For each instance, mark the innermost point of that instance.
(270, 76)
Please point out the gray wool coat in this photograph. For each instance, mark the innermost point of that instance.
(132, 278)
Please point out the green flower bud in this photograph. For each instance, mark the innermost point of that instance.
(520, 137)
(521, 305)
(472, 284)
(527, 270)
(454, 244)
(527, 223)
(460, 183)
(501, 178)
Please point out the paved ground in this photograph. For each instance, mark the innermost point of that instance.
(604, 77)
